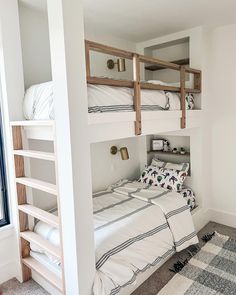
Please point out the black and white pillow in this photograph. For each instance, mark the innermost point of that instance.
(166, 178)
(189, 196)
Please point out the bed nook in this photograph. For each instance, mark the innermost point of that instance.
(113, 102)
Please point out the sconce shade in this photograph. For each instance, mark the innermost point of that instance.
(121, 65)
(124, 153)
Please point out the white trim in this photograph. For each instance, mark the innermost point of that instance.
(222, 217)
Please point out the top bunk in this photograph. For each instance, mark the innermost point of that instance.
(119, 108)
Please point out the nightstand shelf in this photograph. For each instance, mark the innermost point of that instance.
(187, 154)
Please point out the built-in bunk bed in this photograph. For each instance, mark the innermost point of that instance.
(131, 107)
(131, 218)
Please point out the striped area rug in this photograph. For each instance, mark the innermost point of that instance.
(211, 271)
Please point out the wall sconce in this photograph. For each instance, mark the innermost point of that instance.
(123, 152)
(120, 64)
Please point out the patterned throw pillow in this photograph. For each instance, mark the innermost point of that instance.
(168, 165)
(189, 196)
(166, 178)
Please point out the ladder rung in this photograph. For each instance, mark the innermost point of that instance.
(33, 123)
(42, 243)
(43, 271)
(35, 154)
(38, 184)
(40, 214)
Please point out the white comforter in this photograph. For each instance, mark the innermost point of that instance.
(39, 100)
(137, 226)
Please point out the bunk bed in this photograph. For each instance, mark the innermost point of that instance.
(131, 107)
(102, 125)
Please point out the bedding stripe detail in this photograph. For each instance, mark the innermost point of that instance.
(129, 242)
(185, 239)
(154, 263)
(112, 205)
(124, 108)
(176, 211)
(123, 217)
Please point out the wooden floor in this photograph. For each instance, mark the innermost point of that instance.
(150, 287)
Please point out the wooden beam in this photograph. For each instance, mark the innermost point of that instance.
(152, 86)
(164, 64)
(182, 97)
(108, 49)
(21, 197)
(198, 81)
(110, 82)
(87, 59)
(137, 95)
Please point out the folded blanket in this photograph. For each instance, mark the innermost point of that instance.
(172, 204)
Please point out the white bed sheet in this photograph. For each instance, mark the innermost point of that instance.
(39, 100)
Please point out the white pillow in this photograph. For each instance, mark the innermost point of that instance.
(168, 165)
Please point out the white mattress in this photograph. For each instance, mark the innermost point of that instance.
(39, 100)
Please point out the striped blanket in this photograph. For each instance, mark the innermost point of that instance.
(136, 227)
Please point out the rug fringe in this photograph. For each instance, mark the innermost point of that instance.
(206, 238)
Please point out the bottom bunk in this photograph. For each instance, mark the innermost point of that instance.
(137, 228)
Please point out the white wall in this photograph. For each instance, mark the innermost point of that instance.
(35, 44)
(99, 61)
(108, 169)
(221, 120)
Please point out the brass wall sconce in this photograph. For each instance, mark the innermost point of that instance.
(123, 152)
(120, 64)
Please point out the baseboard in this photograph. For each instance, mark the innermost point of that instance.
(222, 217)
(7, 271)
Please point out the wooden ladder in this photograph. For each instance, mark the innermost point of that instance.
(27, 210)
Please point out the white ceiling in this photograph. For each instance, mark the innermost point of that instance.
(139, 20)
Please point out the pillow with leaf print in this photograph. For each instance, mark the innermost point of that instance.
(166, 178)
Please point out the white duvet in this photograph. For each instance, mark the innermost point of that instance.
(136, 226)
(39, 100)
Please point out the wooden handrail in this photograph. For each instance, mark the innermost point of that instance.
(136, 82)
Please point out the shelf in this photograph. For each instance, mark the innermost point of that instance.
(180, 62)
(42, 243)
(43, 271)
(38, 184)
(40, 214)
(187, 154)
(35, 154)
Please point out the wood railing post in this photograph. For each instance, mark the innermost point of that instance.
(87, 60)
(137, 94)
(182, 97)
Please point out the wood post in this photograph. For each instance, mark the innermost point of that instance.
(87, 60)
(182, 97)
(137, 94)
(21, 198)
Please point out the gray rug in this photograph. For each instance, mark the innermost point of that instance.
(211, 271)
